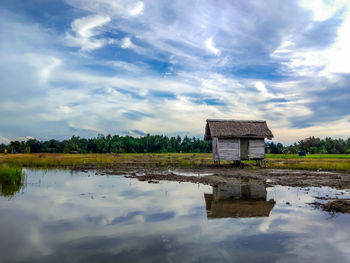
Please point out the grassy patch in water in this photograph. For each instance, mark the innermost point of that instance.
(11, 180)
(10, 175)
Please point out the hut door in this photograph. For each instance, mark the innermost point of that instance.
(244, 148)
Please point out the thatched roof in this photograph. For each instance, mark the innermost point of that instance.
(236, 129)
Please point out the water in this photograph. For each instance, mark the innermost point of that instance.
(59, 216)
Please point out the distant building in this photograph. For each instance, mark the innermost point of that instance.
(237, 140)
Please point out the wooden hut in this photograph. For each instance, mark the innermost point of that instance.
(237, 140)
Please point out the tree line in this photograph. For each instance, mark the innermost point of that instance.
(162, 144)
(111, 144)
(312, 145)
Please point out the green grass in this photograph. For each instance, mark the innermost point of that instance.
(327, 162)
(46, 160)
(10, 175)
(308, 156)
(312, 165)
(11, 180)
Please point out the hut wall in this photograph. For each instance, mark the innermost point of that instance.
(215, 149)
(228, 149)
(244, 149)
(256, 149)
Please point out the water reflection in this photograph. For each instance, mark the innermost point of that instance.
(241, 197)
(82, 217)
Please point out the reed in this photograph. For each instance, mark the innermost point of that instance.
(11, 180)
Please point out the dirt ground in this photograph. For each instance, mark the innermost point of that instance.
(295, 178)
(333, 205)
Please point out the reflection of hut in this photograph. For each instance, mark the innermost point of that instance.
(237, 140)
(238, 199)
(241, 188)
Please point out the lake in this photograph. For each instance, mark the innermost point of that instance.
(64, 216)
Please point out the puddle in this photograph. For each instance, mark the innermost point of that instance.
(188, 173)
(60, 216)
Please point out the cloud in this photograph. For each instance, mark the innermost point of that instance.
(64, 109)
(137, 10)
(126, 43)
(114, 66)
(84, 30)
(210, 45)
(4, 140)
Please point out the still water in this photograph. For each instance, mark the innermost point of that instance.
(60, 216)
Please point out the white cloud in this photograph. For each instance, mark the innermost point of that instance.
(210, 45)
(44, 64)
(64, 109)
(46, 71)
(84, 30)
(194, 88)
(126, 43)
(322, 10)
(128, 66)
(4, 140)
(319, 62)
(260, 86)
(137, 10)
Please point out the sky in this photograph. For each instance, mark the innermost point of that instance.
(89, 67)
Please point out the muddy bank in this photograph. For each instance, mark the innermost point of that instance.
(152, 178)
(271, 176)
(333, 206)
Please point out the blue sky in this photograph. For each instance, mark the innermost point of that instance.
(164, 67)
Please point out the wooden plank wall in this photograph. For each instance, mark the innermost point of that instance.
(215, 149)
(228, 149)
(256, 149)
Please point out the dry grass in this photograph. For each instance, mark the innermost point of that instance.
(182, 160)
(45, 160)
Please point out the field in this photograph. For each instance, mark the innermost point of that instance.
(325, 162)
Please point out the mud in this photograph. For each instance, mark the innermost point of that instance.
(334, 206)
(295, 178)
(152, 178)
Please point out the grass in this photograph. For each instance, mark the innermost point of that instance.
(308, 156)
(11, 180)
(45, 160)
(327, 162)
(10, 175)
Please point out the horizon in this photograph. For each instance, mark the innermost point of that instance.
(25, 139)
(122, 67)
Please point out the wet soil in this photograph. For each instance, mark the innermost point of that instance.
(334, 205)
(151, 178)
(295, 178)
